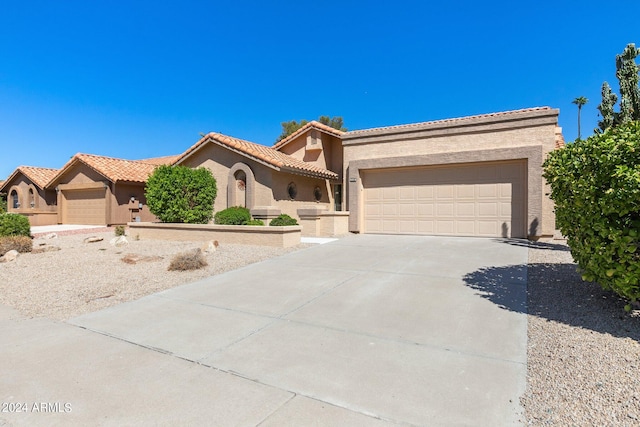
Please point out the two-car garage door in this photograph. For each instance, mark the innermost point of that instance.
(480, 199)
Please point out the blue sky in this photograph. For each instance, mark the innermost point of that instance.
(144, 78)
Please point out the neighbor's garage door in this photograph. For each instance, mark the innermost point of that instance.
(480, 199)
(84, 207)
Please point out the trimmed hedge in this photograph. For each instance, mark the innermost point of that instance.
(14, 225)
(283, 219)
(235, 215)
(255, 222)
(595, 184)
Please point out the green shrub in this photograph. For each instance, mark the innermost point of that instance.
(190, 260)
(595, 184)
(21, 244)
(120, 230)
(3, 203)
(283, 219)
(181, 194)
(255, 222)
(235, 215)
(14, 225)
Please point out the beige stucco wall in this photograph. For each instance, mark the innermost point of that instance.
(330, 157)
(123, 210)
(305, 196)
(529, 136)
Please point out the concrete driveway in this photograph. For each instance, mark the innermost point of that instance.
(366, 330)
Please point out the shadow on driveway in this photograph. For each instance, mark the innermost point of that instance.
(557, 293)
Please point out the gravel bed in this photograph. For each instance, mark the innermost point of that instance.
(85, 277)
(583, 349)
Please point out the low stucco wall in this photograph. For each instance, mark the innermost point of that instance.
(41, 218)
(318, 222)
(283, 237)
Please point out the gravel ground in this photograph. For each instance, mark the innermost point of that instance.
(583, 350)
(86, 277)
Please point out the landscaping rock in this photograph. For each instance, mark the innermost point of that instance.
(51, 236)
(93, 239)
(136, 258)
(209, 247)
(119, 241)
(45, 248)
(12, 255)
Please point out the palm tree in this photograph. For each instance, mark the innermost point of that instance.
(579, 101)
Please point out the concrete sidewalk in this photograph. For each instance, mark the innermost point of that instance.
(366, 330)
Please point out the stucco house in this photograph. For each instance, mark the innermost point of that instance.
(27, 194)
(103, 190)
(300, 176)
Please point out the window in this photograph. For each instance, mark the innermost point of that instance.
(32, 198)
(317, 194)
(15, 203)
(292, 190)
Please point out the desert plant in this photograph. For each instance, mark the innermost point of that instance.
(235, 215)
(595, 184)
(283, 219)
(120, 230)
(255, 222)
(21, 244)
(181, 194)
(190, 260)
(14, 225)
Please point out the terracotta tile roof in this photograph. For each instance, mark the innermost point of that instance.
(458, 120)
(111, 168)
(39, 176)
(262, 154)
(166, 160)
(559, 137)
(312, 124)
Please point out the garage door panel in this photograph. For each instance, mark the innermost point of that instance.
(407, 209)
(468, 200)
(465, 209)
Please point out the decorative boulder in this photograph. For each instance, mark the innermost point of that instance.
(93, 239)
(210, 246)
(119, 241)
(45, 248)
(12, 255)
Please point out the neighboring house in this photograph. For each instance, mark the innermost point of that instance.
(471, 176)
(268, 181)
(27, 194)
(103, 190)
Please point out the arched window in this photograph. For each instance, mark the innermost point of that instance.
(15, 203)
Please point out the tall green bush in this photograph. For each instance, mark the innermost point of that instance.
(14, 225)
(181, 194)
(3, 203)
(235, 215)
(595, 184)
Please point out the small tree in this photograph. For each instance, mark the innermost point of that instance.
(595, 184)
(3, 203)
(181, 194)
